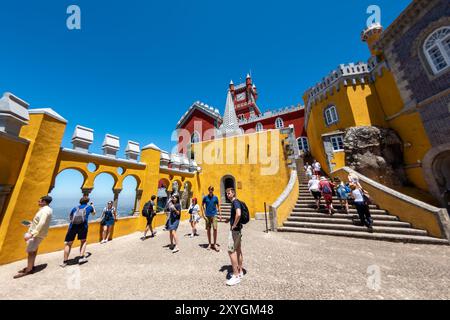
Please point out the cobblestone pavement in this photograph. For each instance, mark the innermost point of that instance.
(279, 266)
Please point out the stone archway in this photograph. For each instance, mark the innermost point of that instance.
(436, 167)
(226, 182)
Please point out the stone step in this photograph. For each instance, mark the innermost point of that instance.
(309, 204)
(367, 235)
(384, 217)
(376, 229)
(337, 209)
(351, 220)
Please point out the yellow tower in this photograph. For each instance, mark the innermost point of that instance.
(371, 35)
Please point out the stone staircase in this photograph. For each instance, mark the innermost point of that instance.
(305, 219)
(226, 211)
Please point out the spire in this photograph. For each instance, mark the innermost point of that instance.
(230, 126)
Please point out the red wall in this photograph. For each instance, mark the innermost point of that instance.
(297, 118)
(207, 124)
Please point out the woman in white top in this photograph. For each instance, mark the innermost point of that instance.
(361, 206)
(313, 186)
(194, 209)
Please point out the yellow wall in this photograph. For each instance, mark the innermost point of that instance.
(43, 160)
(45, 134)
(285, 209)
(409, 127)
(356, 105)
(366, 105)
(256, 186)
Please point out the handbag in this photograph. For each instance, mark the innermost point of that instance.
(366, 197)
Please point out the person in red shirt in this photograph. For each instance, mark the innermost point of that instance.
(326, 188)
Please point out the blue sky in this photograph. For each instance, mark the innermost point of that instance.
(136, 66)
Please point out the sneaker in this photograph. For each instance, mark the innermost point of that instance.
(63, 265)
(191, 235)
(175, 250)
(233, 281)
(82, 260)
(103, 241)
(241, 275)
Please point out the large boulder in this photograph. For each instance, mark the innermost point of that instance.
(376, 153)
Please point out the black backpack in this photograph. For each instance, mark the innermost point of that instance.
(245, 214)
(147, 210)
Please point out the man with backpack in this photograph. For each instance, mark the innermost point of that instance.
(239, 216)
(149, 213)
(79, 217)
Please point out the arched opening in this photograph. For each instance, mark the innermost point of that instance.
(163, 194)
(66, 195)
(128, 197)
(102, 193)
(436, 166)
(226, 182)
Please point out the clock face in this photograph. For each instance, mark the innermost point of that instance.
(241, 96)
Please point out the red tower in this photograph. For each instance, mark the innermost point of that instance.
(245, 96)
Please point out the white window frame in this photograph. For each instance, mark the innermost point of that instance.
(335, 139)
(436, 41)
(331, 115)
(279, 123)
(302, 142)
(259, 127)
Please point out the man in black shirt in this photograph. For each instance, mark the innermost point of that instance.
(235, 238)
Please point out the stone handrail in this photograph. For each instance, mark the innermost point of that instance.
(281, 208)
(420, 214)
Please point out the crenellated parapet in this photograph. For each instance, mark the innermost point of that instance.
(13, 114)
(270, 114)
(345, 75)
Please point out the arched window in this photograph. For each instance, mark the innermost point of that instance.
(437, 49)
(195, 137)
(279, 123)
(303, 144)
(331, 116)
(259, 127)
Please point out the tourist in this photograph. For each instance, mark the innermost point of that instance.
(78, 227)
(326, 188)
(235, 239)
(308, 171)
(194, 217)
(353, 178)
(313, 186)
(342, 192)
(317, 168)
(210, 206)
(37, 231)
(362, 206)
(149, 213)
(109, 216)
(173, 222)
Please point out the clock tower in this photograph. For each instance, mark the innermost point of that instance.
(244, 97)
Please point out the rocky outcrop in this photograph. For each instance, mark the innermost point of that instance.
(376, 153)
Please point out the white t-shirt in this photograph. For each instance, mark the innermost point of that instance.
(313, 185)
(195, 209)
(358, 195)
(317, 166)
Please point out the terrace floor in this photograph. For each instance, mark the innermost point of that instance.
(279, 266)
